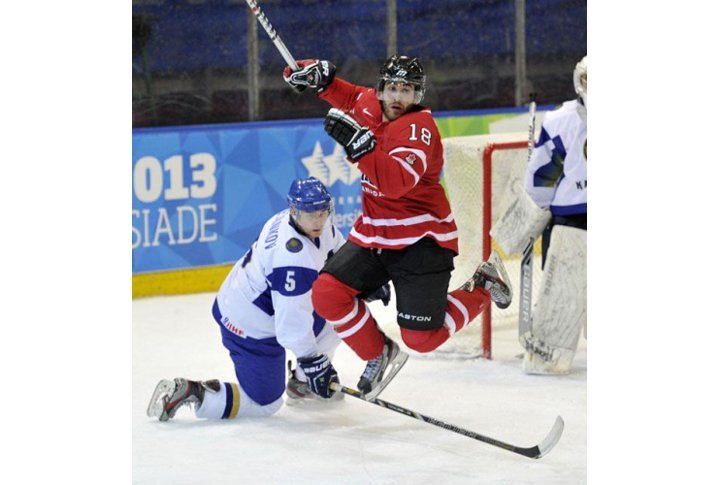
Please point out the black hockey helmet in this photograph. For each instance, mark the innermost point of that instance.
(405, 70)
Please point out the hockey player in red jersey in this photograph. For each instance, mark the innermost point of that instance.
(406, 233)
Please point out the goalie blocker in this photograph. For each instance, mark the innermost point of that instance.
(521, 224)
(561, 310)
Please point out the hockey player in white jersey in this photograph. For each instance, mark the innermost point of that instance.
(263, 308)
(556, 179)
(556, 176)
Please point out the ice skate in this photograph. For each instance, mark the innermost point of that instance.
(169, 396)
(381, 370)
(297, 390)
(487, 276)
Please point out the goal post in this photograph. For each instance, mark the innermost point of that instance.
(487, 163)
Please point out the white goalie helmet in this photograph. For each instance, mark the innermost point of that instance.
(580, 79)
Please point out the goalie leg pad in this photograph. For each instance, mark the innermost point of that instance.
(520, 223)
(562, 305)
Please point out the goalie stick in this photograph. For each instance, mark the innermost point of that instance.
(274, 36)
(536, 452)
(526, 264)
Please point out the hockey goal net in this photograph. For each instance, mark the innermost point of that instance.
(480, 176)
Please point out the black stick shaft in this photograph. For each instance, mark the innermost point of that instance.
(532, 452)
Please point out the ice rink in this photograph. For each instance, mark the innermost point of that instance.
(351, 441)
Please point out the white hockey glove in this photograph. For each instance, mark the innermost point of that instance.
(357, 140)
(313, 74)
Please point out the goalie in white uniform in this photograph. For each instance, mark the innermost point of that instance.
(556, 178)
(556, 183)
(263, 308)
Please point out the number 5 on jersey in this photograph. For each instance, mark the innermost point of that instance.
(290, 281)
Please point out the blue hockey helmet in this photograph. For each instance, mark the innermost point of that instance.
(308, 195)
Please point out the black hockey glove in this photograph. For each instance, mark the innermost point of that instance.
(312, 74)
(320, 373)
(357, 140)
(382, 294)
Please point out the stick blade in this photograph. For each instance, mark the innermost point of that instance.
(552, 438)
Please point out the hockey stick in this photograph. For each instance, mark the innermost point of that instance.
(537, 451)
(526, 264)
(531, 128)
(274, 37)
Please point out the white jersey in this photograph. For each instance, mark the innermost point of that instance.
(267, 293)
(556, 175)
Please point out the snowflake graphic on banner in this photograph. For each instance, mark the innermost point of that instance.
(331, 168)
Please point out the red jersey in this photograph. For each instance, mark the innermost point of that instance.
(402, 199)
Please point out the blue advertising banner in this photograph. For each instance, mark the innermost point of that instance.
(201, 194)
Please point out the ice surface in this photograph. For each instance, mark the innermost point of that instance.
(353, 442)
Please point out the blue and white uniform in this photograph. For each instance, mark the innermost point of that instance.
(556, 176)
(267, 293)
(263, 307)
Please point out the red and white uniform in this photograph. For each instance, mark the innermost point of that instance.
(402, 198)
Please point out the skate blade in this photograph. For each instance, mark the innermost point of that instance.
(163, 391)
(394, 368)
(500, 266)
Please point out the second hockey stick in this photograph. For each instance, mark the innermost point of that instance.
(526, 265)
(537, 451)
(274, 36)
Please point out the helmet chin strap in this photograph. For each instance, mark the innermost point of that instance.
(294, 223)
(294, 215)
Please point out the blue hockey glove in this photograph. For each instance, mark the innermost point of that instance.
(320, 373)
(382, 293)
(357, 140)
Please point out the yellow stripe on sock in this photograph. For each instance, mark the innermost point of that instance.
(235, 400)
